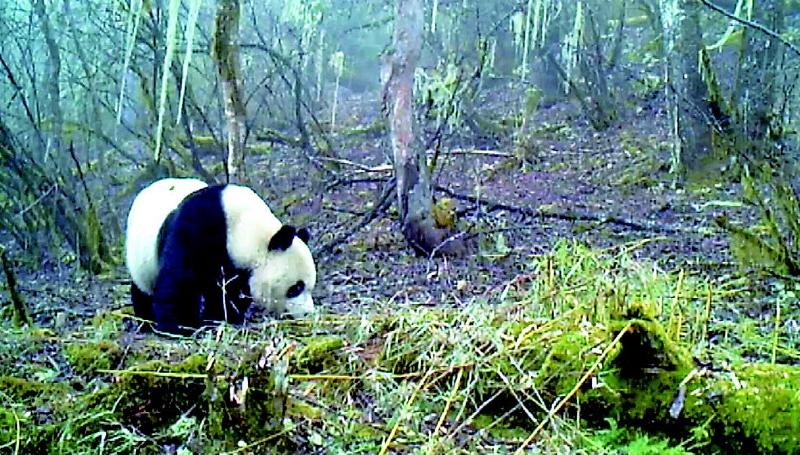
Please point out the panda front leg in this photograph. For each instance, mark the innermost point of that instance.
(227, 297)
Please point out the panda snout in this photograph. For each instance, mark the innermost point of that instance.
(300, 306)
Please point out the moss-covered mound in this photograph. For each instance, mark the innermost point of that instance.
(587, 352)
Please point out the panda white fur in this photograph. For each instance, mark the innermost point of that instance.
(191, 247)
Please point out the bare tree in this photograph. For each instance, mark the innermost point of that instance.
(690, 114)
(414, 195)
(759, 79)
(694, 128)
(226, 56)
(53, 77)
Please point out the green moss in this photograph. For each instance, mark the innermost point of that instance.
(565, 359)
(30, 391)
(8, 426)
(765, 410)
(216, 168)
(317, 352)
(87, 357)
(646, 370)
(147, 399)
(204, 141)
(304, 410)
(377, 126)
(632, 441)
(262, 148)
(259, 404)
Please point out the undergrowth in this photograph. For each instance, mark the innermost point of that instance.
(586, 352)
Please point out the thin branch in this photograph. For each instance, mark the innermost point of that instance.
(752, 24)
(23, 100)
(361, 167)
(383, 203)
(33, 204)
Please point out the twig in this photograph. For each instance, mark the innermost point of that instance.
(386, 167)
(159, 374)
(475, 413)
(752, 24)
(445, 242)
(261, 441)
(19, 438)
(575, 389)
(340, 182)
(359, 166)
(323, 377)
(478, 152)
(21, 316)
(37, 201)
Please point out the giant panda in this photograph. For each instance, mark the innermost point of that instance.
(198, 253)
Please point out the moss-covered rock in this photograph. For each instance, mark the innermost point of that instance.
(155, 394)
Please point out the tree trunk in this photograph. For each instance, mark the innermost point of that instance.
(53, 85)
(761, 60)
(21, 316)
(689, 108)
(414, 194)
(226, 56)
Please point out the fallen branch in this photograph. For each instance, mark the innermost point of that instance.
(362, 167)
(348, 182)
(568, 215)
(33, 204)
(478, 152)
(384, 201)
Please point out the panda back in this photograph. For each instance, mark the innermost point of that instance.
(150, 210)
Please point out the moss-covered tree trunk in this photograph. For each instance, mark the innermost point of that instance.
(414, 194)
(226, 56)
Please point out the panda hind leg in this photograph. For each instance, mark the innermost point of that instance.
(142, 303)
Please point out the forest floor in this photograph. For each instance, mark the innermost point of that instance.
(556, 182)
(604, 189)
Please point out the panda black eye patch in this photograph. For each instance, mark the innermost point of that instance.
(295, 290)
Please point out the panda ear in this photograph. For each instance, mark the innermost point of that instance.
(304, 234)
(282, 239)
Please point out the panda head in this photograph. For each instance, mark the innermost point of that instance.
(280, 265)
(283, 282)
